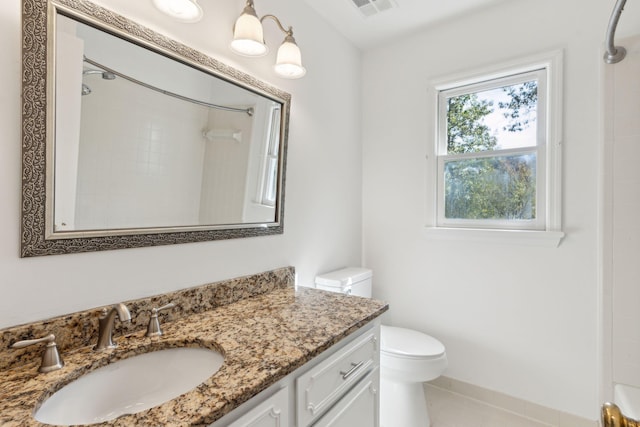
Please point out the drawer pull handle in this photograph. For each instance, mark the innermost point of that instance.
(355, 367)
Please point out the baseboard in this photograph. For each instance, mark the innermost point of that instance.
(523, 408)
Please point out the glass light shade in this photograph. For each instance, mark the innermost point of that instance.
(289, 60)
(182, 10)
(248, 38)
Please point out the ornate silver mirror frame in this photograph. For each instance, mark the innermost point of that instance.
(38, 133)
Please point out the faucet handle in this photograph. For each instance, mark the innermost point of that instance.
(153, 330)
(51, 360)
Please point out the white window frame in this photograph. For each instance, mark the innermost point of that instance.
(546, 229)
(268, 184)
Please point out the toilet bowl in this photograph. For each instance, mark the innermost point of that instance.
(408, 358)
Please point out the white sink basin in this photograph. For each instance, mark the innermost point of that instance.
(129, 386)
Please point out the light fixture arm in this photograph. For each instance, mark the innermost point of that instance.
(249, 9)
(288, 32)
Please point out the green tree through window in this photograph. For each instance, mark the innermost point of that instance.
(492, 184)
(466, 130)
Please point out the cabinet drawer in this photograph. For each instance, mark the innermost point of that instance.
(323, 385)
(359, 407)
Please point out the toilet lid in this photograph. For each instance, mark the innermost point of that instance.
(409, 343)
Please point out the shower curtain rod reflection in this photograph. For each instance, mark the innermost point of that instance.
(614, 53)
(249, 110)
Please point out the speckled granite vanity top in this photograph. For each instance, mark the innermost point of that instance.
(263, 337)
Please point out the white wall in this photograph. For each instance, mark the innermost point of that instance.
(322, 209)
(516, 319)
(622, 180)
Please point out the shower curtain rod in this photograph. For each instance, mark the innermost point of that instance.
(249, 110)
(614, 53)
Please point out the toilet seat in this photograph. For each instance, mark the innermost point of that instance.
(409, 344)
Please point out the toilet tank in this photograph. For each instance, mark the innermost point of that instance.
(350, 281)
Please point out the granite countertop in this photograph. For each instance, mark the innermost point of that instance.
(263, 339)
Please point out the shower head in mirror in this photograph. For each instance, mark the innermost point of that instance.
(107, 75)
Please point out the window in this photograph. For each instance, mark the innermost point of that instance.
(268, 186)
(497, 150)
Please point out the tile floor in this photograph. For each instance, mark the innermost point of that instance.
(449, 409)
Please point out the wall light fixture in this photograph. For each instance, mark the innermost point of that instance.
(248, 40)
(182, 10)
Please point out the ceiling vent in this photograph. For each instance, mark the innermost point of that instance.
(372, 7)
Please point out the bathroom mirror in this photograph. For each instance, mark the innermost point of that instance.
(132, 139)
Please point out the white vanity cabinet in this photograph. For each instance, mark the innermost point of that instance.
(272, 412)
(338, 388)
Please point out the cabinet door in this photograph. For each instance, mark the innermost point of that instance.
(273, 412)
(359, 407)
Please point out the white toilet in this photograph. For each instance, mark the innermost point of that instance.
(407, 357)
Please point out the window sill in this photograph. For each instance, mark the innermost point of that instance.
(549, 239)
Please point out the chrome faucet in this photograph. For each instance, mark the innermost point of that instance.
(106, 322)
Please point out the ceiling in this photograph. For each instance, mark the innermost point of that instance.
(399, 18)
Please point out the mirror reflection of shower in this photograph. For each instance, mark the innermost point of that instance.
(106, 75)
